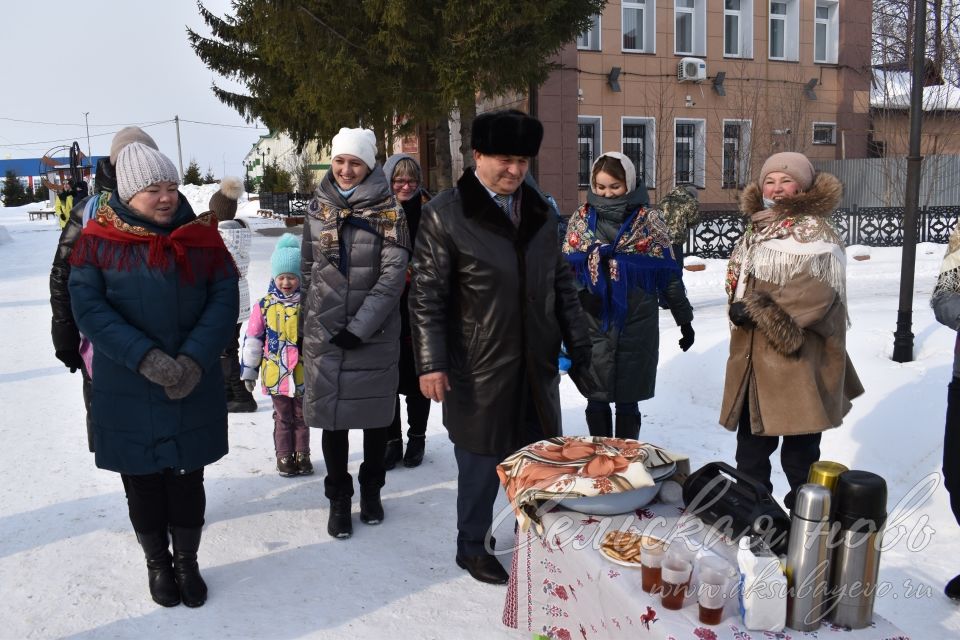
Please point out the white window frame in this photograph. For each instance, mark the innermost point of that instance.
(743, 152)
(698, 32)
(589, 40)
(650, 147)
(648, 28)
(597, 122)
(744, 17)
(831, 29)
(833, 130)
(699, 149)
(791, 30)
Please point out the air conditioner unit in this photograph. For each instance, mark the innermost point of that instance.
(693, 69)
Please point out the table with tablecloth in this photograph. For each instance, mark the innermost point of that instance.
(562, 587)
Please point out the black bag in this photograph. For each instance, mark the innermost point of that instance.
(736, 505)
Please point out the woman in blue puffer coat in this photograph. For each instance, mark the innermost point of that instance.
(155, 290)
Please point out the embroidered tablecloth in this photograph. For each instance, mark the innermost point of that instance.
(562, 587)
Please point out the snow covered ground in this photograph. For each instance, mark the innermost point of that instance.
(70, 566)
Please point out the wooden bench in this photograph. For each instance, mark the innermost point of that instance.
(39, 214)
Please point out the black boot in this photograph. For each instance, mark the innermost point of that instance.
(414, 455)
(239, 399)
(186, 542)
(339, 524)
(163, 586)
(600, 423)
(371, 509)
(628, 426)
(392, 454)
(953, 589)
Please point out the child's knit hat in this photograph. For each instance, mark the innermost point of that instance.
(286, 256)
(223, 203)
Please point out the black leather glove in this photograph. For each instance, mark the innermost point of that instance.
(70, 358)
(686, 330)
(159, 368)
(346, 340)
(582, 372)
(739, 315)
(187, 382)
(591, 303)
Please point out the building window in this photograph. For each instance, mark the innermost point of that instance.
(738, 28)
(588, 141)
(824, 133)
(784, 30)
(826, 31)
(689, 21)
(736, 158)
(689, 151)
(637, 144)
(638, 18)
(589, 40)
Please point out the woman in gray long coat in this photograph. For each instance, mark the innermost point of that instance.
(356, 246)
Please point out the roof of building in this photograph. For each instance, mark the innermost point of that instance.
(891, 90)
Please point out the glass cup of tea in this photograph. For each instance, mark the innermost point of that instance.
(714, 576)
(652, 551)
(675, 581)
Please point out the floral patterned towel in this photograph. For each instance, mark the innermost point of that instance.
(576, 466)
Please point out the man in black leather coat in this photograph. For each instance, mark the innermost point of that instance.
(492, 297)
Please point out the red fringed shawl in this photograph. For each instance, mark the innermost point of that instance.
(109, 243)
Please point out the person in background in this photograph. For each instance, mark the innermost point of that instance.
(788, 373)
(356, 246)
(64, 202)
(69, 346)
(270, 346)
(621, 257)
(681, 213)
(236, 236)
(491, 300)
(155, 290)
(405, 177)
(946, 308)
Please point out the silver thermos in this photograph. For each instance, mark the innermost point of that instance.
(808, 558)
(861, 514)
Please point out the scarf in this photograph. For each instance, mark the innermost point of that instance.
(639, 256)
(110, 241)
(777, 249)
(370, 206)
(948, 281)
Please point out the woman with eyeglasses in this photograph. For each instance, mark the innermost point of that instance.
(404, 175)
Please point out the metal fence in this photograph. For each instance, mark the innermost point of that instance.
(718, 231)
(881, 182)
(285, 205)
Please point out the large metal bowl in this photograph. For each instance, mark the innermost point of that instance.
(609, 504)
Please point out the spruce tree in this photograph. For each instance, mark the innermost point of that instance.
(192, 174)
(208, 177)
(13, 192)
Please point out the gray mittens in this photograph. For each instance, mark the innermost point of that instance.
(159, 368)
(188, 381)
(177, 377)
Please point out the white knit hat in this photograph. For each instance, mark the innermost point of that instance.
(139, 166)
(361, 143)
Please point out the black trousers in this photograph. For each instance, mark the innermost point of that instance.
(87, 397)
(418, 410)
(797, 453)
(477, 486)
(336, 449)
(168, 498)
(951, 447)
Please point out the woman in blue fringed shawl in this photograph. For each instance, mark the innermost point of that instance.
(621, 255)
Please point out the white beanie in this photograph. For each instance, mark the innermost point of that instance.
(139, 166)
(361, 143)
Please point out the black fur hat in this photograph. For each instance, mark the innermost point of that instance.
(508, 132)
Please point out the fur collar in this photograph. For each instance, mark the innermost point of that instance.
(479, 206)
(821, 199)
